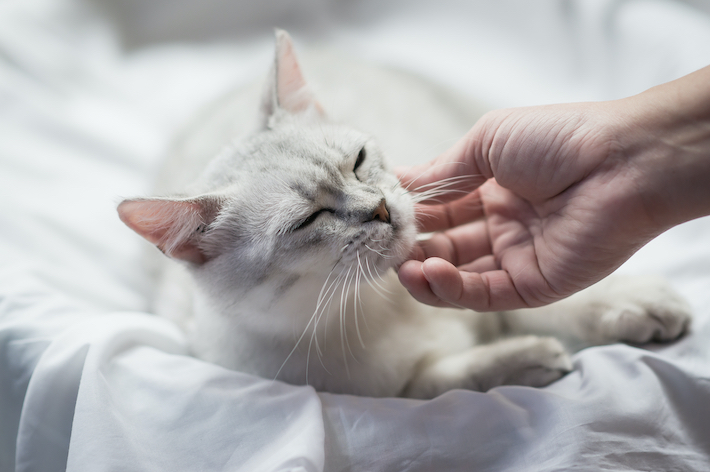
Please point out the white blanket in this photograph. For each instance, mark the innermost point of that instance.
(90, 94)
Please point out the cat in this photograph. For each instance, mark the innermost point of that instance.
(288, 239)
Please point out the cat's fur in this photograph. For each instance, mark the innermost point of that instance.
(289, 237)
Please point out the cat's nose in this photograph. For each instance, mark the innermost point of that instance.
(381, 212)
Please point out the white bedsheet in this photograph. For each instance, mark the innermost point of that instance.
(89, 381)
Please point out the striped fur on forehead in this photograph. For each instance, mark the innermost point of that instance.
(295, 147)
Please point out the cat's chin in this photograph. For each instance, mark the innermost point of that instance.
(382, 250)
(400, 253)
(372, 265)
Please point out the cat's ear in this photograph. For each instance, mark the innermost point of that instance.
(286, 89)
(175, 226)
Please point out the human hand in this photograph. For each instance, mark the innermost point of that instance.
(567, 199)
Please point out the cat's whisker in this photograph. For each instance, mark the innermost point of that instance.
(343, 338)
(447, 182)
(319, 352)
(305, 330)
(369, 280)
(381, 246)
(364, 318)
(323, 289)
(443, 187)
(308, 357)
(308, 353)
(433, 167)
(430, 194)
(326, 310)
(364, 277)
(372, 278)
(383, 280)
(325, 307)
(384, 250)
(384, 256)
(438, 145)
(397, 187)
(379, 275)
(348, 291)
(294, 349)
(375, 286)
(436, 201)
(356, 298)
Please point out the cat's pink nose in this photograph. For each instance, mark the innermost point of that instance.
(381, 212)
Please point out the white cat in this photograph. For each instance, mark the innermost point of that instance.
(288, 238)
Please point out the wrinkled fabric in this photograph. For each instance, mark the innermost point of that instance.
(90, 94)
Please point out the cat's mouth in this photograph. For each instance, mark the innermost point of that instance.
(380, 245)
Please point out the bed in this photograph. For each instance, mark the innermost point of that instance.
(90, 94)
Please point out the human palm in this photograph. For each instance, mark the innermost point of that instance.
(558, 213)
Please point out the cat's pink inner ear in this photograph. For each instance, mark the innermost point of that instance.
(292, 91)
(174, 226)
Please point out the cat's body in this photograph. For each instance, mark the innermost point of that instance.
(288, 239)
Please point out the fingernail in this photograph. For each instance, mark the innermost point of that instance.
(424, 272)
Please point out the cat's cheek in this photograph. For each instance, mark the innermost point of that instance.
(405, 244)
(405, 232)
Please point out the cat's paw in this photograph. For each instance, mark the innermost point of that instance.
(644, 309)
(526, 360)
(537, 362)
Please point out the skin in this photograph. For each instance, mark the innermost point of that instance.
(548, 200)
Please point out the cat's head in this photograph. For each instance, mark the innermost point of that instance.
(300, 195)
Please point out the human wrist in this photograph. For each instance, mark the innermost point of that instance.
(666, 140)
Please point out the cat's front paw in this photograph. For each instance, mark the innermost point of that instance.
(537, 362)
(645, 309)
(525, 360)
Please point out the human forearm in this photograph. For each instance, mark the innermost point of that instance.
(667, 137)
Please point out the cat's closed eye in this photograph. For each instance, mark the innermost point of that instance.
(302, 224)
(358, 162)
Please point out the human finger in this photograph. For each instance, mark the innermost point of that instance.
(486, 263)
(487, 291)
(439, 217)
(459, 245)
(413, 279)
